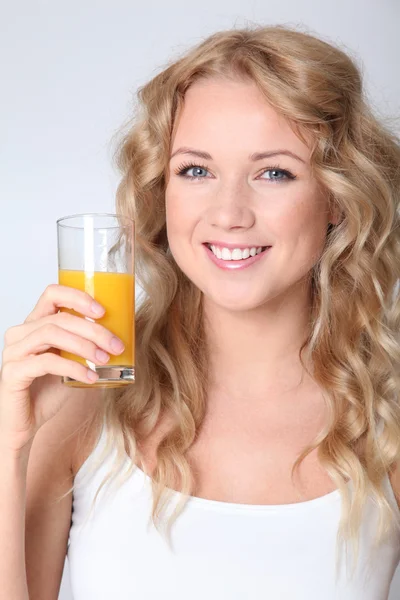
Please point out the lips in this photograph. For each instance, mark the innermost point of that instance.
(229, 265)
(231, 246)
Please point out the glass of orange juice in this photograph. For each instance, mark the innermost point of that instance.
(96, 254)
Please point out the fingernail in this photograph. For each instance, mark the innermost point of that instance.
(117, 345)
(91, 375)
(97, 309)
(102, 356)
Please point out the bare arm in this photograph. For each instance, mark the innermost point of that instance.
(47, 519)
(38, 421)
(13, 468)
(33, 527)
(34, 523)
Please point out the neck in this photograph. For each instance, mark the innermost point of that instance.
(257, 351)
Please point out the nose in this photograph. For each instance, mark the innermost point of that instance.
(230, 208)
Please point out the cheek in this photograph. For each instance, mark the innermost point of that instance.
(179, 220)
(182, 212)
(303, 231)
(173, 216)
(179, 227)
(310, 243)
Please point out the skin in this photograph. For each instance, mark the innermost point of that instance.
(256, 318)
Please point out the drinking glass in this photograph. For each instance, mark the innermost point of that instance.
(96, 254)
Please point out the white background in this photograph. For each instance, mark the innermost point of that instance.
(68, 73)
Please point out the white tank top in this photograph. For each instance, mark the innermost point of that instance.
(220, 550)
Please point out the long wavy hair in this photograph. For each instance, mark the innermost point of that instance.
(353, 344)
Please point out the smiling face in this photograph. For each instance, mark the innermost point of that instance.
(241, 200)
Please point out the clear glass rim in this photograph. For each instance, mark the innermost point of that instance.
(129, 220)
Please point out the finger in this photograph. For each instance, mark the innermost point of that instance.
(58, 296)
(16, 376)
(52, 336)
(83, 327)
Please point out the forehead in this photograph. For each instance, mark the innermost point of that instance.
(225, 114)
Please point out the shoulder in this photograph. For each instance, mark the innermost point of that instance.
(394, 477)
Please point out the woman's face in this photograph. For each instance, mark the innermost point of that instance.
(241, 201)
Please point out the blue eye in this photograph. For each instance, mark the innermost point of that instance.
(194, 167)
(183, 169)
(285, 173)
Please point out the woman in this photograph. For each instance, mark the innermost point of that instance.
(266, 200)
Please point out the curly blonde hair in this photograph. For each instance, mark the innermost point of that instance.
(353, 343)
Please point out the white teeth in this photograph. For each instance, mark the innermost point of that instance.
(236, 253)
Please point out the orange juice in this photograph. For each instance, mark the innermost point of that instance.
(116, 293)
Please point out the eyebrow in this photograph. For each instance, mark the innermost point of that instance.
(253, 157)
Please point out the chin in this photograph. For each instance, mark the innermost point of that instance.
(235, 302)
